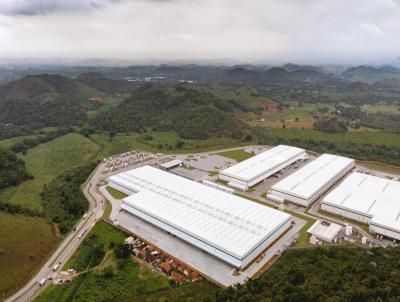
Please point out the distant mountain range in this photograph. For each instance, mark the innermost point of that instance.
(286, 74)
(371, 75)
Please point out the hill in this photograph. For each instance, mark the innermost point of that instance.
(277, 76)
(392, 84)
(104, 84)
(46, 99)
(185, 109)
(370, 75)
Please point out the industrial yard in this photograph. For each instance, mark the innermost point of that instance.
(203, 171)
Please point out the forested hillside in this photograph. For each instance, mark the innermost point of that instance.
(328, 274)
(105, 85)
(188, 110)
(46, 99)
(12, 169)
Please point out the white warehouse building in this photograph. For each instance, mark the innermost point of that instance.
(250, 172)
(368, 199)
(310, 182)
(224, 225)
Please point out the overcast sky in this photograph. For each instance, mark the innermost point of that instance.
(304, 31)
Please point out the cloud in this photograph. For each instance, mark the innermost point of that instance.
(317, 31)
(43, 7)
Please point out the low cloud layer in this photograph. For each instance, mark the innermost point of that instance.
(42, 7)
(343, 31)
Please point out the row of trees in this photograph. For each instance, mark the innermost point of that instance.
(31, 142)
(17, 209)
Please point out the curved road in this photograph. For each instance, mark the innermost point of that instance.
(70, 243)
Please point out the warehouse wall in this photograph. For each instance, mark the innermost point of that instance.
(120, 188)
(279, 232)
(345, 213)
(383, 231)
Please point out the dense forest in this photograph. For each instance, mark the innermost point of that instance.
(189, 110)
(12, 169)
(325, 274)
(63, 200)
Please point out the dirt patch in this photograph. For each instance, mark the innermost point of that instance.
(271, 106)
(56, 231)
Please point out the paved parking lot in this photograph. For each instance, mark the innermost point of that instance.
(193, 174)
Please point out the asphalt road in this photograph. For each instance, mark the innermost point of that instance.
(69, 244)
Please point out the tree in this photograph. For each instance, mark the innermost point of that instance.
(108, 272)
(122, 251)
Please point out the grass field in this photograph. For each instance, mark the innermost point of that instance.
(162, 142)
(47, 161)
(24, 244)
(238, 155)
(370, 137)
(132, 280)
(115, 193)
(382, 108)
(11, 141)
(106, 235)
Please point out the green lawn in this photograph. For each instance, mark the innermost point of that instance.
(303, 236)
(115, 193)
(47, 161)
(238, 155)
(131, 281)
(24, 244)
(107, 210)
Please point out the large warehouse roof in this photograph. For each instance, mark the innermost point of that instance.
(370, 196)
(262, 163)
(223, 224)
(311, 178)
